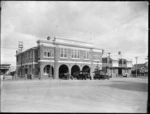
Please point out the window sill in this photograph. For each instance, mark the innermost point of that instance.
(48, 57)
(63, 57)
(76, 58)
(97, 60)
(86, 59)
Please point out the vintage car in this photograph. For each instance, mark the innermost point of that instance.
(99, 74)
(82, 75)
(65, 76)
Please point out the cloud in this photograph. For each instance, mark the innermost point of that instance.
(129, 37)
(113, 25)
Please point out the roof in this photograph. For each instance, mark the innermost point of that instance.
(139, 66)
(117, 57)
(69, 40)
(27, 50)
(69, 43)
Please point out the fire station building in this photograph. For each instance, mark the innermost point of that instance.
(50, 58)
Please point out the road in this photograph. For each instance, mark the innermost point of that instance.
(114, 95)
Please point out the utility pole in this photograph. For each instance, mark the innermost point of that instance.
(20, 47)
(109, 62)
(33, 55)
(136, 65)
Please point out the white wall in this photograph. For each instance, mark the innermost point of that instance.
(115, 63)
(129, 63)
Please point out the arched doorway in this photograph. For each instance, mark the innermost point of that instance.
(86, 69)
(75, 69)
(49, 71)
(63, 69)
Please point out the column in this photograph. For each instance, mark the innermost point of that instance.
(92, 66)
(69, 69)
(56, 56)
(41, 71)
(50, 72)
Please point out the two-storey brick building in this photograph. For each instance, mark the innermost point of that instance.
(50, 58)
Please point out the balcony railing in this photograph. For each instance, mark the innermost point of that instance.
(122, 65)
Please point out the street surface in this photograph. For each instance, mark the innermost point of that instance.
(114, 95)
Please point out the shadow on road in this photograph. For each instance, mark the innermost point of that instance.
(133, 86)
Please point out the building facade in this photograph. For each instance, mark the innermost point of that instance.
(117, 67)
(50, 58)
(140, 69)
(4, 68)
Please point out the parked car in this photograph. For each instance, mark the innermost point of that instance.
(82, 75)
(65, 76)
(99, 74)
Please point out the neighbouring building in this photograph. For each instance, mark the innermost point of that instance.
(4, 68)
(52, 57)
(117, 66)
(142, 69)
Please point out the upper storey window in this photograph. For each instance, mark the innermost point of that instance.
(63, 53)
(85, 55)
(48, 53)
(125, 62)
(120, 61)
(75, 54)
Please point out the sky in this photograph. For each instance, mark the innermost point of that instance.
(112, 26)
